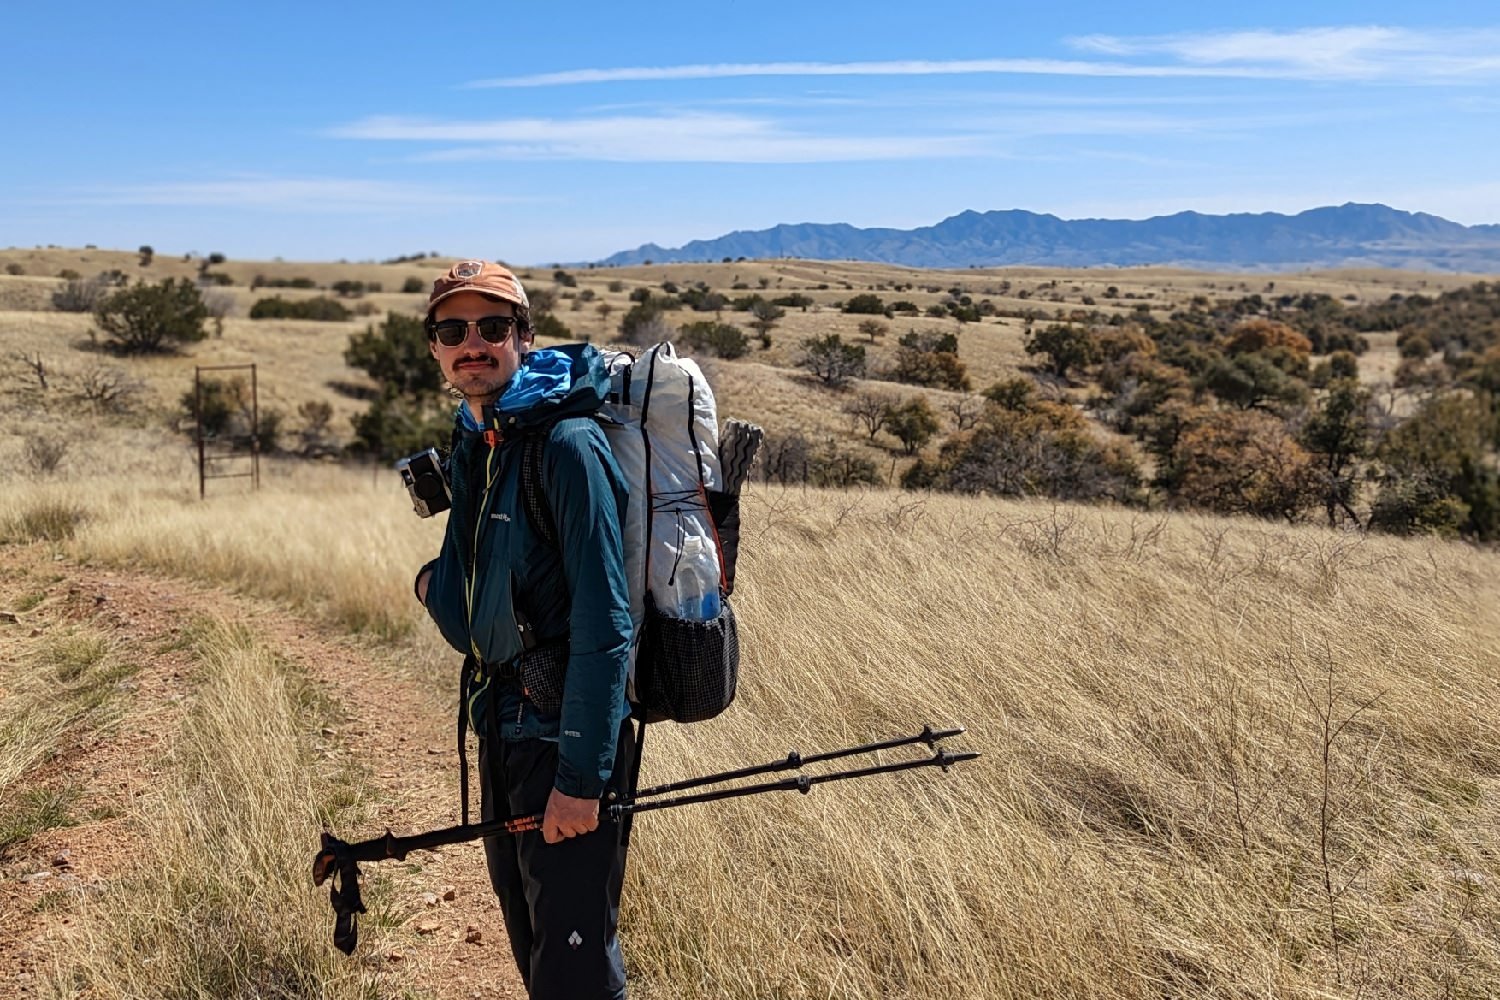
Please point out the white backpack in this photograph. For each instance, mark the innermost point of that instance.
(662, 426)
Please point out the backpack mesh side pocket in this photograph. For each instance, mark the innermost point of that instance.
(542, 670)
(687, 671)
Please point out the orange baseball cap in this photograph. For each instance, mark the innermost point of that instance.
(482, 276)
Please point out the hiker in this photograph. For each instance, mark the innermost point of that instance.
(546, 628)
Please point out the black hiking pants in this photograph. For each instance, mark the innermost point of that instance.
(561, 902)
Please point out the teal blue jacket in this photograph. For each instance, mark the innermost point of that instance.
(494, 561)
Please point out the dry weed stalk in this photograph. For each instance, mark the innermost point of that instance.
(1332, 721)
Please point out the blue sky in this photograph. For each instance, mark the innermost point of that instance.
(565, 132)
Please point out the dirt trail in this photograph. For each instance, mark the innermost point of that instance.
(450, 947)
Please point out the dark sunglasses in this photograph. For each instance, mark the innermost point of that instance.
(492, 330)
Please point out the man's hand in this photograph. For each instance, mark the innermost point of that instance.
(568, 817)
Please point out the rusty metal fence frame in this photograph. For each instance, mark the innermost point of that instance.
(204, 457)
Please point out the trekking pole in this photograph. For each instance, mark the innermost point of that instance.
(801, 783)
(795, 760)
(338, 861)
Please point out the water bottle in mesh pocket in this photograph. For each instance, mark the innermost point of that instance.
(686, 671)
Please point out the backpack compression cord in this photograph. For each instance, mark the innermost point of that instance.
(337, 862)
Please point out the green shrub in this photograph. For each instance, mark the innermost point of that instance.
(703, 299)
(261, 281)
(321, 308)
(1045, 451)
(723, 340)
(397, 425)
(831, 360)
(548, 325)
(929, 359)
(913, 422)
(1065, 346)
(411, 285)
(1438, 470)
(214, 403)
(866, 303)
(396, 355)
(147, 318)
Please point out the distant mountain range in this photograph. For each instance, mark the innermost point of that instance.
(1345, 236)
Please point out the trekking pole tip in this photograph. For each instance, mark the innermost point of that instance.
(931, 736)
(946, 760)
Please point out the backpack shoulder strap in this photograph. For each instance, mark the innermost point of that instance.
(533, 496)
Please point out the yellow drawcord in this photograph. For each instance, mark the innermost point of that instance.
(484, 498)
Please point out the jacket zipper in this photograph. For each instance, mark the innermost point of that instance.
(479, 519)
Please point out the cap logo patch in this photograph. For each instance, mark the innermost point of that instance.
(468, 269)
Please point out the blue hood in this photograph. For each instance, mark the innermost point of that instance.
(553, 382)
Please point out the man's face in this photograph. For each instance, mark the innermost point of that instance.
(476, 368)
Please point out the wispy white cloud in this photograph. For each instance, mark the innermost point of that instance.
(958, 98)
(1338, 53)
(680, 138)
(709, 137)
(908, 67)
(797, 102)
(283, 194)
(1342, 53)
(1125, 124)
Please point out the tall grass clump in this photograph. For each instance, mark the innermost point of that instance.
(218, 903)
(43, 519)
(65, 683)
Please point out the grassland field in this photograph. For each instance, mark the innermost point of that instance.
(1222, 758)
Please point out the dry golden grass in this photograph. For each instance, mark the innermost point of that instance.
(1146, 820)
(217, 904)
(1222, 758)
(67, 683)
